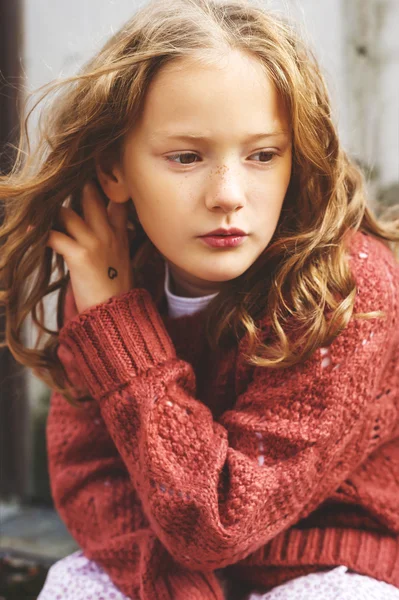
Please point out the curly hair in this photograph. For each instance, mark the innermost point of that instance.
(302, 276)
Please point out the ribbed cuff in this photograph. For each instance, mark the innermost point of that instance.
(366, 552)
(117, 340)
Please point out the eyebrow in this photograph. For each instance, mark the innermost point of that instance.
(196, 136)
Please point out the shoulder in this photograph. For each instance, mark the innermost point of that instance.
(376, 272)
(365, 343)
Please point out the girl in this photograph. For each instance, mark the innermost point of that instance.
(224, 416)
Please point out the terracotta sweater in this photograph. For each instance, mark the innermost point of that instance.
(185, 463)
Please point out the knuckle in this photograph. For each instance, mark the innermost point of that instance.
(105, 239)
(93, 245)
(82, 255)
(92, 242)
(109, 239)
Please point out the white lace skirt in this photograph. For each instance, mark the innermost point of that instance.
(75, 577)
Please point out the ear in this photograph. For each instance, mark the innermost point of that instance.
(112, 182)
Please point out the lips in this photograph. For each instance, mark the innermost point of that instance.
(223, 241)
(234, 231)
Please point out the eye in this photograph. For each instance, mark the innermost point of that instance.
(180, 155)
(267, 154)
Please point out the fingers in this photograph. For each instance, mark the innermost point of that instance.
(118, 215)
(94, 210)
(62, 244)
(99, 217)
(76, 226)
(98, 223)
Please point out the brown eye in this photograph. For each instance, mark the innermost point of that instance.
(185, 156)
(181, 154)
(268, 155)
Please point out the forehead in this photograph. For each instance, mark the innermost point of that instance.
(235, 93)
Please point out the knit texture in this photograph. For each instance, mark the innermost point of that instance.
(185, 463)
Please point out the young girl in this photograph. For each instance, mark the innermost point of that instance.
(224, 416)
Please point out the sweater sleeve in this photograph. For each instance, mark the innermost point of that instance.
(216, 491)
(95, 498)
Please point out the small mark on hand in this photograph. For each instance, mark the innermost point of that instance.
(112, 273)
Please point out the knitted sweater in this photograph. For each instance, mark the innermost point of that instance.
(186, 463)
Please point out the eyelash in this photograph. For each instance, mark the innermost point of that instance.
(169, 158)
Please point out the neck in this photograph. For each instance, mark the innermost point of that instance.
(187, 289)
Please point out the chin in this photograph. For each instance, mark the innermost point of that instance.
(221, 277)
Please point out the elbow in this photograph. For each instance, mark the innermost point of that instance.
(200, 552)
(195, 538)
(204, 559)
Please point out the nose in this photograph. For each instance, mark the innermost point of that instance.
(226, 192)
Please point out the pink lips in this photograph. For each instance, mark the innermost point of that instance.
(221, 231)
(223, 241)
(224, 238)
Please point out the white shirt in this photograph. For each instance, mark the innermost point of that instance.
(180, 305)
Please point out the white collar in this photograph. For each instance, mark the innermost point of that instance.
(181, 305)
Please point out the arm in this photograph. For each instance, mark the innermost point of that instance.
(94, 495)
(209, 497)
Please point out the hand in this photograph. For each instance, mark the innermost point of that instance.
(97, 253)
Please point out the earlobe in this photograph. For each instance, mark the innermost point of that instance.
(112, 183)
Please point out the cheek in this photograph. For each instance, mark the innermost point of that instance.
(277, 185)
(159, 200)
(159, 215)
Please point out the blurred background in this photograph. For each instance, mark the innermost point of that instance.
(357, 44)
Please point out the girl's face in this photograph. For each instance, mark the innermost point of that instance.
(184, 187)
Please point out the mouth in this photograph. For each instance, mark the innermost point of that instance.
(224, 235)
(223, 240)
(234, 231)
